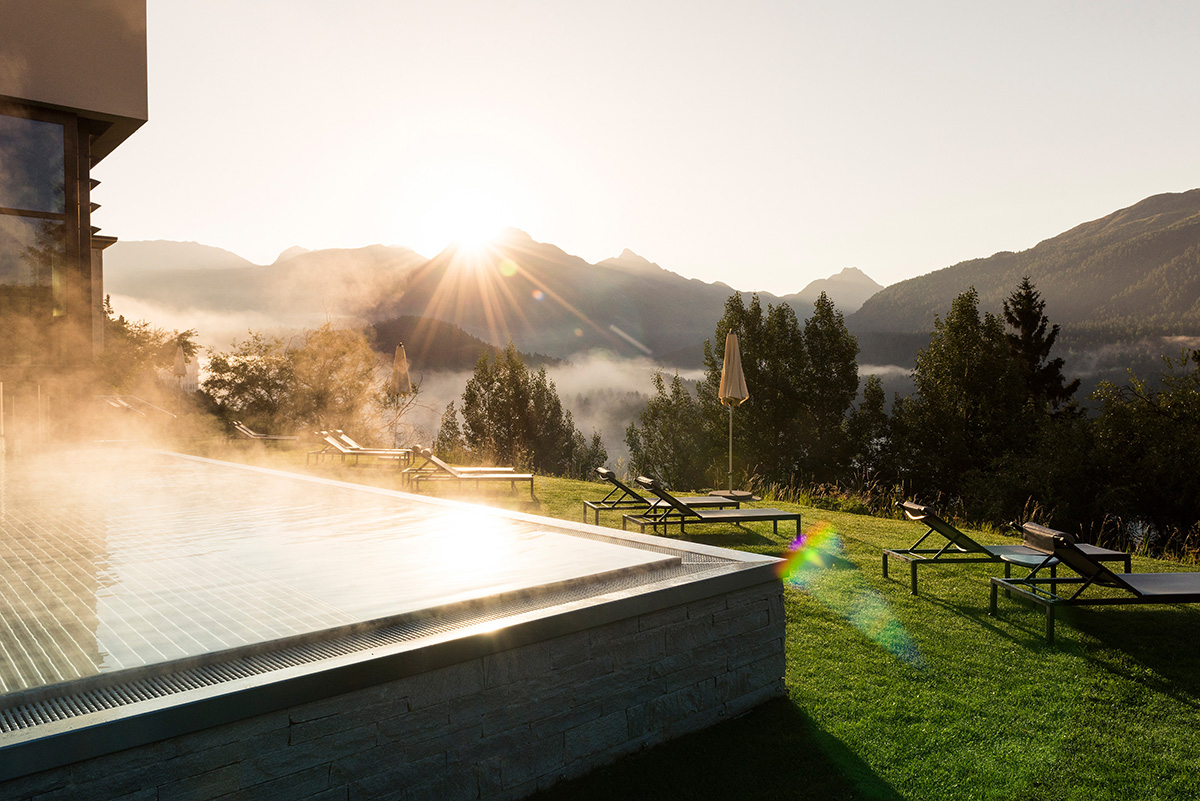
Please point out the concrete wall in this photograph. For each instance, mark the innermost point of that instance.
(500, 726)
(87, 56)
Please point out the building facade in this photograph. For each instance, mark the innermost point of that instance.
(72, 89)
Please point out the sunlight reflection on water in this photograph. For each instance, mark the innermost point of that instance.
(117, 560)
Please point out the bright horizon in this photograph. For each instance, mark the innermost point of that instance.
(764, 145)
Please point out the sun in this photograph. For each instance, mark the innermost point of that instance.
(469, 218)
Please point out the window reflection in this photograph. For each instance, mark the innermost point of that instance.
(31, 165)
(33, 248)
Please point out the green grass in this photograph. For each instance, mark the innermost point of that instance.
(892, 696)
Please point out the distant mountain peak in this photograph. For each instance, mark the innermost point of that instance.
(508, 235)
(632, 262)
(291, 253)
(848, 289)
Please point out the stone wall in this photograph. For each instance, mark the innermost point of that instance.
(501, 726)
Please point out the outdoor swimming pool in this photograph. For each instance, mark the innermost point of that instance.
(149, 597)
(115, 560)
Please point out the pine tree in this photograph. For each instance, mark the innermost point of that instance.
(449, 441)
(1031, 340)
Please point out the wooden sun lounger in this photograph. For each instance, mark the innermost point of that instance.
(1127, 588)
(675, 512)
(960, 549)
(624, 498)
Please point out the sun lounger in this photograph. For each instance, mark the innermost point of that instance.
(1124, 588)
(335, 444)
(437, 471)
(429, 465)
(624, 498)
(404, 456)
(675, 511)
(244, 430)
(960, 549)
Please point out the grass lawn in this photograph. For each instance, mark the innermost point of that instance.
(892, 696)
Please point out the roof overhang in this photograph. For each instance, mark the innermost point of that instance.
(87, 58)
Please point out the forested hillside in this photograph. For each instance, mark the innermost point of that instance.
(436, 345)
(1132, 274)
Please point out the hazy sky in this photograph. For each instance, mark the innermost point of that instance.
(764, 144)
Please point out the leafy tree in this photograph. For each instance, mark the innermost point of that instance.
(586, 455)
(133, 350)
(449, 441)
(333, 370)
(869, 435)
(1147, 441)
(967, 408)
(324, 380)
(831, 380)
(253, 382)
(768, 438)
(671, 444)
(802, 382)
(1046, 387)
(495, 409)
(513, 416)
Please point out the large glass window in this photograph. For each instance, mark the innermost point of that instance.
(33, 248)
(31, 165)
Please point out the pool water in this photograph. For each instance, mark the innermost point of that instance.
(113, 559)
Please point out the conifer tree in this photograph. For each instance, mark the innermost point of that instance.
(1031, 340)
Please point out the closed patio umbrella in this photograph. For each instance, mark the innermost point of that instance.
(733, 390)
(401, 384)
(180, 372)
(400, 387)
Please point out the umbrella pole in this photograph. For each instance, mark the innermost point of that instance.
(730, 447)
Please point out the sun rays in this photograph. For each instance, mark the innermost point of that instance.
(494, 280)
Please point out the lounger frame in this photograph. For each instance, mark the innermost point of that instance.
(1055, 592)
(244, 430)
(436, 471)
(335, 443)
(676, 512)
(627, 499)
(960, 549)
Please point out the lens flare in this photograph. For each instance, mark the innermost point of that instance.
(508, 268)
(809, 566)
(539, 294)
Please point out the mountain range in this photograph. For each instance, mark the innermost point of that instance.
(1129, 276)
(1128, 280)
(544, 299)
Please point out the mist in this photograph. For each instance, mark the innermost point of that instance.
(217, 330)
(603, 392)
